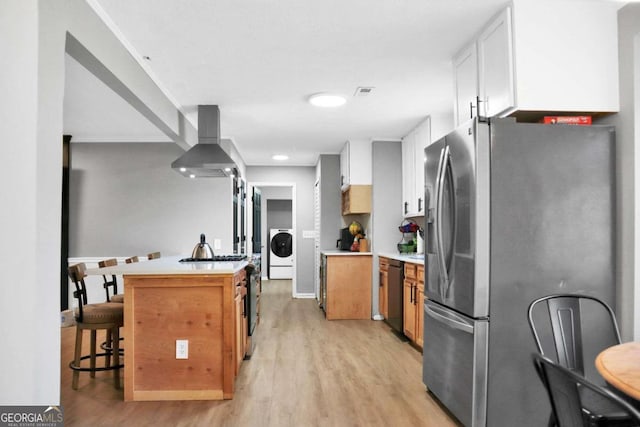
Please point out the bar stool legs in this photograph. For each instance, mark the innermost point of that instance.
(112, 358)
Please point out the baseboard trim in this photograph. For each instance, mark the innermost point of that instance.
(302, 296)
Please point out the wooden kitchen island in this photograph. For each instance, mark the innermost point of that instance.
(167, 301)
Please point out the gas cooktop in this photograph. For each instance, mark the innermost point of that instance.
(216, 258)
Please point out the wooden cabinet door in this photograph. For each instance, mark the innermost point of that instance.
(384, 294)
(409, 311)
(420, 316)
(239, 353)
(348, 287)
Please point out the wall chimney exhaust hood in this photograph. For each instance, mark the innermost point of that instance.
(206, 158)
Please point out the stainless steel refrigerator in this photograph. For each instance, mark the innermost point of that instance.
(515, 212)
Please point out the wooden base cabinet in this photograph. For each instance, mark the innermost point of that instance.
(240, 319)
(204, 309)
(413, 301)
(383, 290)
(348, 286)
(420, 308)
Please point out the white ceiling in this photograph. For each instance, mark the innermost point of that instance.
(260, 60)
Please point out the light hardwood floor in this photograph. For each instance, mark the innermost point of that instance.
(305, 371)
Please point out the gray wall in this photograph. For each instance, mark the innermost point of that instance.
(303, 177)
(126, 200)
(385, 204)
(330, 201)
(279, 214)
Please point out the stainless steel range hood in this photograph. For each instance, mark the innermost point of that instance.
(206, 158)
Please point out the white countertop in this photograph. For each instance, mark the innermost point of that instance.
(414, 258)
(171, 265)
(332, 252)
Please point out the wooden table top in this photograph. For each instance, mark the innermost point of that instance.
(620, 366)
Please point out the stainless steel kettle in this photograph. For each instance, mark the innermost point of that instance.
(202, 250)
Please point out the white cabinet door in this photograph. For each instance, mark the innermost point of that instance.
(495, 66)
(465, 78)
(355, 163)
(344, 166)
(408, 173)
(413, 145)
(422, 139)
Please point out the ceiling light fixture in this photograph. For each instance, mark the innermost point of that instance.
(327, 100)
(280, 157)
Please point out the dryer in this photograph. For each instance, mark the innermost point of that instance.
(280, 253)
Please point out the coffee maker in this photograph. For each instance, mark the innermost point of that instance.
(346, 239)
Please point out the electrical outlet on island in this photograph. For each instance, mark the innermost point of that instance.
(182, 349)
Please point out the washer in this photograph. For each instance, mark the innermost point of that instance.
(281, 253)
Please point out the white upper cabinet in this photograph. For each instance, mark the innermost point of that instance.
(540, 56)
(355, 163)
(465, 77)
(413, 145)
(495, 66)
(408, 173)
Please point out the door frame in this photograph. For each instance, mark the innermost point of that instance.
(249, 219)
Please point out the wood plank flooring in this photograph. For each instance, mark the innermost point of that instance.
(305, 371)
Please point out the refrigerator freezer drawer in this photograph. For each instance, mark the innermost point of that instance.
(460, 383)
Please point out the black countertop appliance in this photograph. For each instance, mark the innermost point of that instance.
(346, 239)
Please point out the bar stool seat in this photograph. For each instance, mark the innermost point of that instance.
(104, 312)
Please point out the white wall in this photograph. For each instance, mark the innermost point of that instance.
(32, 84)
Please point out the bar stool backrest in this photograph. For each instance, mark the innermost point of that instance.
(111, 262)
(572, 328)
(77, 273)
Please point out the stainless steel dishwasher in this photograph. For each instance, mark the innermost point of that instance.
(394, 297)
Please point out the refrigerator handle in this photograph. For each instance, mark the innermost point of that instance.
(448, 318)
(439, 208)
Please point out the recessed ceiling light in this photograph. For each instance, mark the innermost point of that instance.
(280, 157)
(327, 100)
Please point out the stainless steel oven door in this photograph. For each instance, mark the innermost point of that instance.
(455, 362)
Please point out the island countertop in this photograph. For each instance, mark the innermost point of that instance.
(171, 265)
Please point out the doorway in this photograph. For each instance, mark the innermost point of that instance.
(278, 212)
